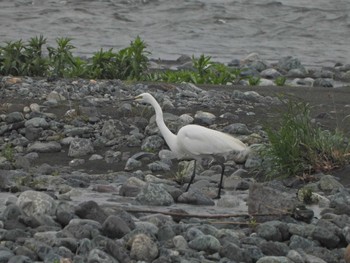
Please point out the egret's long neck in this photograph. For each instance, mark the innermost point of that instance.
(169, 137)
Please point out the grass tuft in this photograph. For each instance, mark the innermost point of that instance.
(300, 147)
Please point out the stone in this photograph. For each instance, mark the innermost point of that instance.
(32, 203)
(154, 194)
(237, 129)
(206, 243)
(37, 122)
(80, 147)
(91, 210)
(274, 259)
(264, 199)
(14, 117)
(233, 252)
(132, 187)
(143, 248)
(152, 143)
(329, 183)
(82, 228)
(98, 255)
(115, 227)
(204, 118)
(270, 73)
(195, 197)
(44, 147)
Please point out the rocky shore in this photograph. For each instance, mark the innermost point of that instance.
(86, 177)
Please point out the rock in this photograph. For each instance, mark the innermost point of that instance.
(180, 242)
(154, 194)
(270, 73)
(206, 243)
(115, 227)
(132, 164)
(195, 197)
(98, 255)
(80, 147)
(109, 130)
(91, 210)
(37, 122)
(329, 183)
(262, 200)
(237, 128)
(44, 147)
(14, 117)
(32, 203)
(288, 63)
(233, 252)
(204, 118)
(325, 83)
(347, 254)
(152, 143)
(273, 259)
(82, 228)
(273, 230)
(132, 187)
(143, 248)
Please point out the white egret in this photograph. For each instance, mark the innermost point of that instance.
(194, 142)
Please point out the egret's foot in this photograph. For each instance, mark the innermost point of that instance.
(217, 197)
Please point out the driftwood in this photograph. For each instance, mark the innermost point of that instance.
(186, 215)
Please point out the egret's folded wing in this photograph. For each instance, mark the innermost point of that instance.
(199, 140)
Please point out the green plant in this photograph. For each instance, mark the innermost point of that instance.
(280, 80)
(253, 81)
(104, 65)
(61, 58)
(35, 63)
(12, 58)
(132, 61)
(300, 147)
(8, 152)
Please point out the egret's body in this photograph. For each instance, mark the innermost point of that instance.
(193, 142)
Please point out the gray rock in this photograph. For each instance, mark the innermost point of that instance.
(320, 253)
(270, 248)
(270, 73)
(14, 117)
(82, 228)
(132, 164)
(340, 202)
(91, 210)
(109, 130)
(143, 248)
(273, 230)
(44, 147)
(288, 63)
(159, 166)
(326, 237)
(195, 197)
(297, 242)
(112, 156)
(78, 131)
(115, 227)
(132, 187)
(5, 255)
(154, 194)
(325, 83)
(180, 242)
(204, 118)
(234, 252)
(206, 243)
(152, 143)
(295, 257)
(80, 147)
(32, 203)
(274, 259)
(19, 259)
(237, 128)
(37, 122)
(262, 200)
(328, 183)
(99, 256)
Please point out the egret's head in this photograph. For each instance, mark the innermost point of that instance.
(143, 98)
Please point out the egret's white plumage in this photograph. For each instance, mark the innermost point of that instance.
(194, 141)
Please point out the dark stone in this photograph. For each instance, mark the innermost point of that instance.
(115, 227)
(91, 210)
(270, 248)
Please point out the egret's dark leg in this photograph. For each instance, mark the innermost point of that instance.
(221, 178)
(193, 175)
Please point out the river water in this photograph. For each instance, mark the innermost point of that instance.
(316, 32)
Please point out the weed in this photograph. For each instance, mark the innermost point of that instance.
(280, 80)
(253, 81)
(103, 65)
(12, 58)
(299, 147)
(8, 152)
(61, 58)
